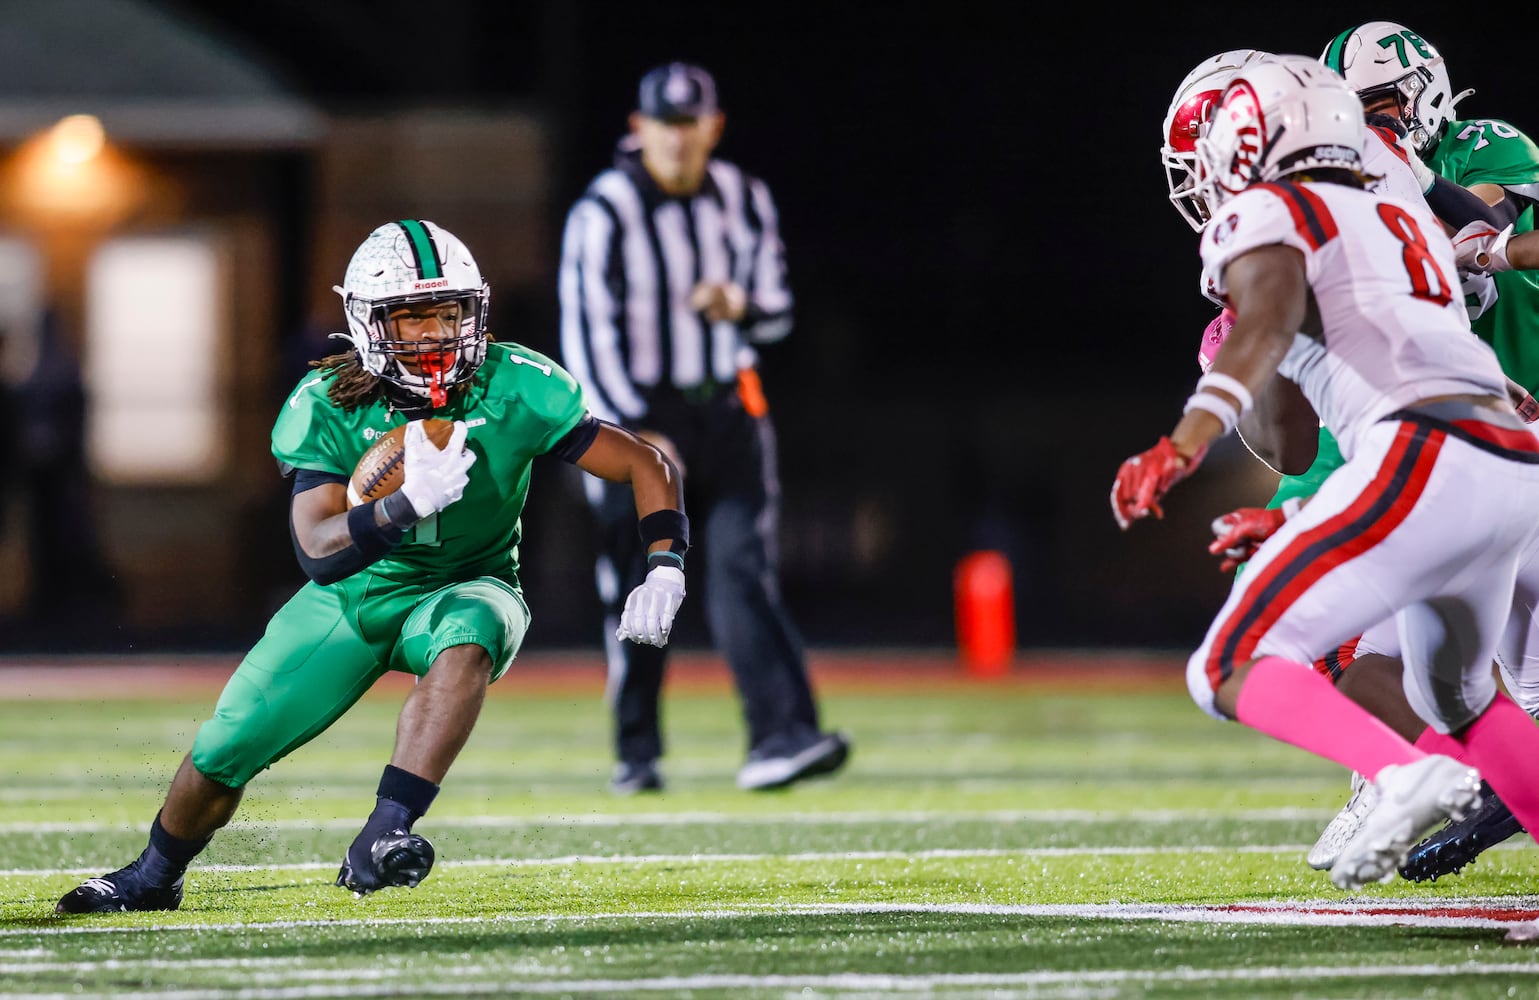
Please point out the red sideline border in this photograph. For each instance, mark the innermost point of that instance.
(833, 671)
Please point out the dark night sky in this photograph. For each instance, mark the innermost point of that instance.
(996, 303)
(948, 175)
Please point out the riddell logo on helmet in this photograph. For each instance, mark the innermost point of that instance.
(423, 286)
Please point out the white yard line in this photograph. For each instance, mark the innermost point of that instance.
(866, 982)
(738, 858)
(1453, 912)
(716, 818)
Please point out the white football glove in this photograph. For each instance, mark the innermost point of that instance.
(1479, 293)
(434, 478)
(1481, 249)
(649, 610)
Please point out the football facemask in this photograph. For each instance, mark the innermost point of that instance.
(1189, 112)
(407, 268)
(1384, 59)
(1284, 115)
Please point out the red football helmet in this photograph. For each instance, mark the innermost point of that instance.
(1189, 113)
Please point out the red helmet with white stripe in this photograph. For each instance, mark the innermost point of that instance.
(1190, 110)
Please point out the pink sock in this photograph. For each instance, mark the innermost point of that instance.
(1290, 702)
(1504, 744)
(1432, 741)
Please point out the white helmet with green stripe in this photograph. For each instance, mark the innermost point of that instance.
(408, 262)
(1382, 58)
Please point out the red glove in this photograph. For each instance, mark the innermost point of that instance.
(1144, 479)
(1239, 533)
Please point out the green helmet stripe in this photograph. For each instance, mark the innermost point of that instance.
(421, 248)
(1333, 51)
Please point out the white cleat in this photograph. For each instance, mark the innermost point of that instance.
(1527, 931)
(1413, 799)
(1340, 831)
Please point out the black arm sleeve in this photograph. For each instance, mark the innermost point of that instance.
(574, 443)
(370, 542)
(309, 479)
(1458, 206)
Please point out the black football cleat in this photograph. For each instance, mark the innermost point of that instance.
(121, 891)
(781, 762)
(1456, 844)
(632, 776)
(397, 857)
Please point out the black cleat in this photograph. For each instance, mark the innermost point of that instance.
(121, 891)
(632, 776)
(780, 763)
(1449, 849)
(397, 857)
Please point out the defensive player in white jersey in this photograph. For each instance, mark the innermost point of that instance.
(1374, 678)
(1352, 296)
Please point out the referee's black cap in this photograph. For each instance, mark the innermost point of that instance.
(677, 90)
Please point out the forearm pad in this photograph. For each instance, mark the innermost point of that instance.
(1459, 206)
(370, 541)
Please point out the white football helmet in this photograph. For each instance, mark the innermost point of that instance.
(1189, 112)
(1282, 115)
(1382, 57)
(415, 261)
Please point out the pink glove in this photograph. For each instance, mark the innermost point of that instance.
(1144, 479)
(1213, 338)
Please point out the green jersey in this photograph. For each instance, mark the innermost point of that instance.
(519, 405)
(1490, 151)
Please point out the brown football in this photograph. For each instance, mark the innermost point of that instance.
(382, 468)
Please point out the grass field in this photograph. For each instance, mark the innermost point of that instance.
(1076, 830)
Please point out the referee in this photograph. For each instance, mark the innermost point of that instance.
(671, 270)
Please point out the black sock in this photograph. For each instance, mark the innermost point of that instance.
(167, 857)
(403, 798)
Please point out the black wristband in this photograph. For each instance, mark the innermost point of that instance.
(373, 540)
(398, 510)
(672, 525)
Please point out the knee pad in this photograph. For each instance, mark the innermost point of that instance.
(1200, 685)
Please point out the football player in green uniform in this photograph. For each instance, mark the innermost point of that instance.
(422, 581)
(1398, 73)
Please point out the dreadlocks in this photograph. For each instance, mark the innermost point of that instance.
(352, 386)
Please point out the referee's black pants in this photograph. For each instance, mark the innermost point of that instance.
(732, 497)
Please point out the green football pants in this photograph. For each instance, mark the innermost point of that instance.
(328, 645)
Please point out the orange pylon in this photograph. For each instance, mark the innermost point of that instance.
(985, 612)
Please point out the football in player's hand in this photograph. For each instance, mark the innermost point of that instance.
(382, 469)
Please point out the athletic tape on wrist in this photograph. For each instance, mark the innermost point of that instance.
(664, 558)
(1290, 506)
(398, 510)
(667, 524)
(1229, 384)
(1221, 408)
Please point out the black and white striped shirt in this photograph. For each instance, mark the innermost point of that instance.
(631, 256)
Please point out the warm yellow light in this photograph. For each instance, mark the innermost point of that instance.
(78, 138)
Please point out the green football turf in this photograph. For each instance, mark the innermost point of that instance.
(986, 840)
